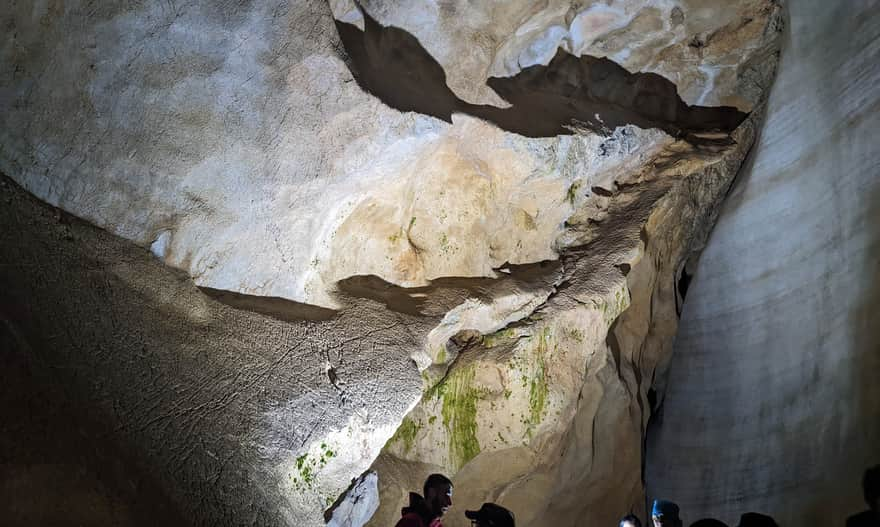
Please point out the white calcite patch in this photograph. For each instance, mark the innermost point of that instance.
(359, 503)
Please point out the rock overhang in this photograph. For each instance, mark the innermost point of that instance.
(281, 179)
(260, 168)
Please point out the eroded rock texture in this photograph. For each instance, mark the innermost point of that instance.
(407, 285)
(777, 358)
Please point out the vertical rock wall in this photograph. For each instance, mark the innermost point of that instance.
(773, 401)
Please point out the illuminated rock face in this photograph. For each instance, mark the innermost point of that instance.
(777, 357)
(451, 285)
(234, 143)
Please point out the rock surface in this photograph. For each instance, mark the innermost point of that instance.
(547, 416)
(233, 142)
(777, 356)
(443, 294)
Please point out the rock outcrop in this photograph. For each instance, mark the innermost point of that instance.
(473, 273)
(779, 341)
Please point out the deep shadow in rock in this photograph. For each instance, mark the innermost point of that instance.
(144, 382)
(866, 331)
(57, 465)
(273, 306)
(445, 293)
(568, 94)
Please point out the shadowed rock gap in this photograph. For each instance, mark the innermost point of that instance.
(569, 94)
(273, 306)
(445, 293)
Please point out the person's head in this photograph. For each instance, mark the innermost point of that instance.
(665, 514)
(871, 487)
(630, 520)
(438, 494)
(491, 515)
(708, 522)
(754, 519)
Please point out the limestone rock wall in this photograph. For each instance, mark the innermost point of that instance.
(232, 415)
(234, 143)
(404, 291)
(547, 416)
(778, 349)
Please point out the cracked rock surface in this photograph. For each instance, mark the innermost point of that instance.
(261, 280)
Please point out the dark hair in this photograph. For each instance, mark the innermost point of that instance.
(435, 481)
(754, 519)
(708, 522)
(631, 518)
(871, 484)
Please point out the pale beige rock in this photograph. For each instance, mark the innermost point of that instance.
(253, 162)
(234, 142)
(547, 417)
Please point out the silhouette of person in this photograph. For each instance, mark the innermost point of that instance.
(630, 520)
(708, 522)
(427, 511)
(665, 514)
(871, 488)
(491, 515)
(754, 519)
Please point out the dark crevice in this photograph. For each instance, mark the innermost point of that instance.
(569, 94)
(614, 346)
(652, 398)
(684, 281)
(654, 419)
(445, 293)
(599, 191)
(682, 285)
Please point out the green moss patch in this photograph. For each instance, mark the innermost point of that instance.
(406, 433)
(460, 414)
(572, 193)
(538, 381)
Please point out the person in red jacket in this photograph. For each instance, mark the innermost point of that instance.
(427, 511)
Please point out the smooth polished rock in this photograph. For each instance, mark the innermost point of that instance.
(773, 402)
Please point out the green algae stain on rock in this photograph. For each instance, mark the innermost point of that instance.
(572, 193)
(537, 381)
(406, 434)
(499, 337)
(538, 391)
(441, 355)
(460, 415)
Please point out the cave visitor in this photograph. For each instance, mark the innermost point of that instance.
(708, 522)
(871, 488)
(754, 519)
(491, 515)
(665, 514)
(428, 510)
(630, 520)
